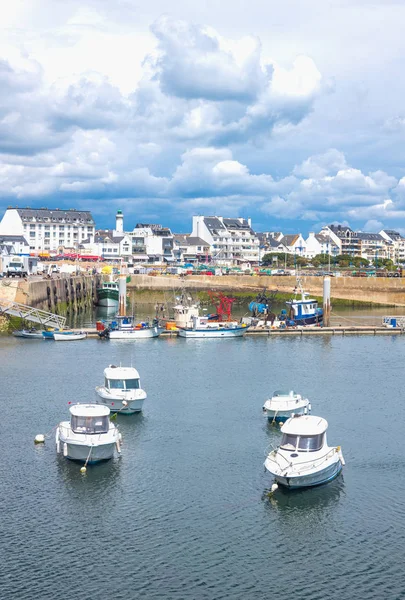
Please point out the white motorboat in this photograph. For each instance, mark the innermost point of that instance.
(303, 458)
(32, 334)
(204, 327)
(89, 436)
(122, 390)
(69, 336)
(126, 328)
(282, 405)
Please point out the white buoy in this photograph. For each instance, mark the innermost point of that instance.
(39, 439)
(274, 488)
(124, 403)
(83, 469)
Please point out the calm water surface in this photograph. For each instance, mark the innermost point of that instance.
(184, 514)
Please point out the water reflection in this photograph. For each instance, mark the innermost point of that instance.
(307, 500)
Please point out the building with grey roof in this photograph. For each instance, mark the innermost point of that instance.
(48, 229)
(232, 240)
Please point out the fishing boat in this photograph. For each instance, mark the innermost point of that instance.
(302, 309)
(218, 324)
(108, 294)
(89, 436)
(126, 328)
(303, 458)
(204, 327)
(32, 334)
(121, 391)
(69, 336)
(48, 335)
(282, 405)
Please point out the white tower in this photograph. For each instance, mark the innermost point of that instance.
(119, 222)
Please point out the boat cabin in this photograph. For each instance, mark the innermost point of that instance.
(304, 433)
(121, 378)
(110, 285)
(89, 419)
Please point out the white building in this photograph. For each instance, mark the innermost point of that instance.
(396, 245)
(109, 245)
(16, 244)
(48, 229)
(189, 249)
(153, 243)
(295, 244)
(232, 241)
(318, 243)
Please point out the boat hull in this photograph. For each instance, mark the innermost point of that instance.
(69, 337)
(116, 405)
(213, 333)
(107, 297)
(307, 321)
(109, 302)
(135, 334)
(280, 416)
(80, 452)
(312, 479)
(28, 335)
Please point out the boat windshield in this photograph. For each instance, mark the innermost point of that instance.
(122, 384)
(289, 442)
(132, 384)
(89, 424)
(310, 443)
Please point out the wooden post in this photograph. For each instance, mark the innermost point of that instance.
(326, 301)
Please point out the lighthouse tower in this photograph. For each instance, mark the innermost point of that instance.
(119, 222)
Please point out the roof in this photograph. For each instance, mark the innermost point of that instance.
(89, 410)
(55, 214)
(189, 240)
(369, 236)
(289, 239)
(394, 235)
(13, 238)
(213, 223)
(305, 425)
(237, 224)
(113, 372)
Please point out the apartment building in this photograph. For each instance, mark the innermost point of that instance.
(48, 229)
(232, 241)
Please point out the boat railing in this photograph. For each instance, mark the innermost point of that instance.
(305, 465)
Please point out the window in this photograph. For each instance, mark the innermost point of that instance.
(116, 384)
(289, 442)
(32, 234)
(310, 443)
(132, 384)
(89, 424)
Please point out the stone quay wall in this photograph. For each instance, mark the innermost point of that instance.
(60, 295)
(378, 290)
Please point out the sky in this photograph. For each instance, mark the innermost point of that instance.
(288, 112)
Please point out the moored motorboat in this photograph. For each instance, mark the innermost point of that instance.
(282, 405)
(69, 336)
(126, 328)
(204, 327)
(32, 334)
(122, 390)
(89, 436)
(303, 458)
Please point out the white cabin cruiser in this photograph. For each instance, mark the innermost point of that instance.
(204, 327)
(89, 436)
(283, 405)
(126, 328)
(303, 458)
(121, 391)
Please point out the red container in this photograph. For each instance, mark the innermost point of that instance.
(100, 326)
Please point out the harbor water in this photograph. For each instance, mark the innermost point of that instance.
(184, 513)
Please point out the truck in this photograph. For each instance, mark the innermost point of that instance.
(15, 267)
